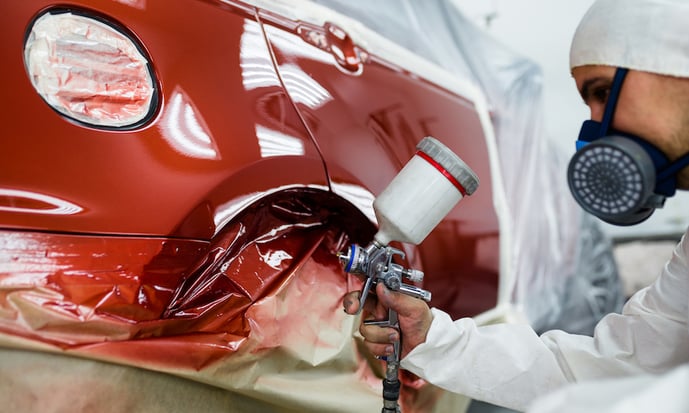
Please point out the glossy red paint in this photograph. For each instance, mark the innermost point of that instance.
(130, 246)
(144, 181)
(367, 127)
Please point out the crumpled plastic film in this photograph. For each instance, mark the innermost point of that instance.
(88, 70)
(258, 315)
(560, 280)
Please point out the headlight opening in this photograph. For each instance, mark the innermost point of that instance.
(90, 69)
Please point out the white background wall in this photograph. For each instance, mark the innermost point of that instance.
(542, 30)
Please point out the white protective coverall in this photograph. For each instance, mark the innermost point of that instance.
(635, 362)
(509, 365)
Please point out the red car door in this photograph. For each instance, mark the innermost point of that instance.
(367, 113)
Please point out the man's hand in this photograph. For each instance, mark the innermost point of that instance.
(413, 314)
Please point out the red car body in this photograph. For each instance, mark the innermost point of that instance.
(128, 245)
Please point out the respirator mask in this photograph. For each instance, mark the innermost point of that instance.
(616, 176)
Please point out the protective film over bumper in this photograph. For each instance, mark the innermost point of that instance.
(257, 312)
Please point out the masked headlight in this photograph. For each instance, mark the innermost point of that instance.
(90, 70)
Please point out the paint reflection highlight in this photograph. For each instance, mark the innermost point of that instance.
(274, 143)
(137, 4)
(184, 129)
(15, 200)
(358, 196)
(257, 70)
(302, 88)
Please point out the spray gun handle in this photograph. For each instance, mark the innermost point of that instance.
(391, 384)
(375, 263)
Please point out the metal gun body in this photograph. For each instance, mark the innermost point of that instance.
(375, 263)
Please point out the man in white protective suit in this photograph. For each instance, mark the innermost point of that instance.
(630, 61)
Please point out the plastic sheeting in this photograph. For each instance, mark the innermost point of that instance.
(563, 273)
(259, 314)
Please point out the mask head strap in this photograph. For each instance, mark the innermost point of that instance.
(671, 170)
(592, 130)
(613, 97)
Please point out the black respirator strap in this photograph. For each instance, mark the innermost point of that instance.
(613, 97)
(591, 129)
(674, 168)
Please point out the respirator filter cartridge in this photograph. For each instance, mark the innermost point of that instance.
(614, 179)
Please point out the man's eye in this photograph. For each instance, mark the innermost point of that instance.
(600, 95)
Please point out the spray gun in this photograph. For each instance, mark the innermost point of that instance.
(418, 198)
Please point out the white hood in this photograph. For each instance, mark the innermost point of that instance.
(645, 35)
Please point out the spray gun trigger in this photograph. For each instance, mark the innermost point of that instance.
(364, 294)
(379, 323)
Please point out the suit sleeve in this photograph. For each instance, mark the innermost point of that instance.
(510, 365)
